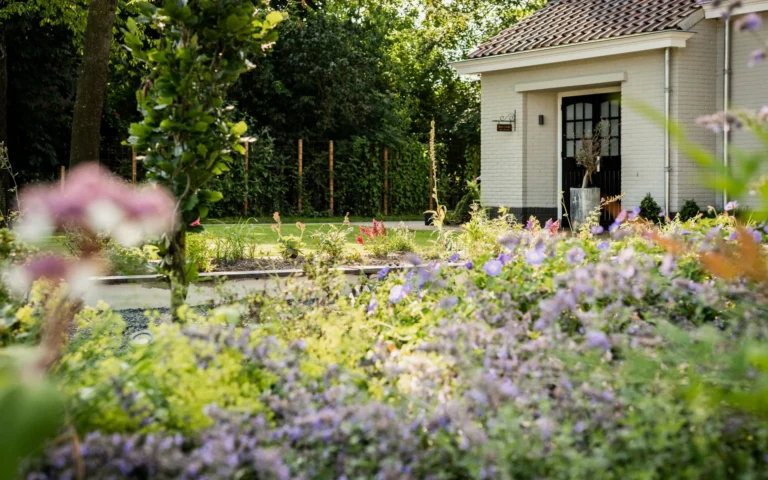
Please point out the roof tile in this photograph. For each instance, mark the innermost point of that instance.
(567, 22)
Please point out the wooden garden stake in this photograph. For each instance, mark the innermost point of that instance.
(133, 167)
(386, 180)
(301, 170)
(63, 174)
(330, 149)
(245, 203)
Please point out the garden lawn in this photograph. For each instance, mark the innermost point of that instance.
(264, 235)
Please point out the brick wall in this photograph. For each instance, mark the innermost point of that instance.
(695, 79)
(749, 89)
(508, 159)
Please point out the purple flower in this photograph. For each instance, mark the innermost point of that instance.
(414, 259)
(635, 213)
(533, 222)
(662, 214)
(575, 255)
(492, 268)
(469, 265)
(733, 236)
(535, 256)
(372, 306)
(757, 236)
(749, 22)
(548, 225)
(597, 339)
(383, 273)
(596, 230)
(397, 294)
(756, 57)
(454, 258)
(621, 217)
(614, 226)
(731, 206)
(449, 302)
(603, 246)
(667, 265)
(504, 258)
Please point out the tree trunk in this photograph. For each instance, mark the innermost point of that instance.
(92, 83)
(178, 277)
(5, 181)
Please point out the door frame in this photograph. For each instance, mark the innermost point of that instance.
(558, 157)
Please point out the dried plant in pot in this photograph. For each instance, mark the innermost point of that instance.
(586, 199)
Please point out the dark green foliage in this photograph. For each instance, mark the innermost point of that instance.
(649, 209)
(689, 211)
(462, 213)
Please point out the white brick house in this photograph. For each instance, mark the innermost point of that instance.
(575, 63)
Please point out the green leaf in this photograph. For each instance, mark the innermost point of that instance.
(239, 128)
(131, 24)
(274, 18)
(210, 196)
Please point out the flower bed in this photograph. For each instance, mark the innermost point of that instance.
(545, 357)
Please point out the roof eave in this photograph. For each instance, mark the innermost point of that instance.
(580, 51)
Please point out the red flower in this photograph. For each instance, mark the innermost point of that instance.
(196, 223)
(360, 240)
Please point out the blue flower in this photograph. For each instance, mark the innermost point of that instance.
(397, 294)
(731, 206)
(621, 217)
(635, 213)
(535, 256)
(614, 226)
(596, 230)
(492, 267)
(603, 246)
(733, 236)
(372, 306)
(454, 258)
(383, 273)
(597, 339)
(448, 302)
(575, 255)
(504, 258)
(469, 265)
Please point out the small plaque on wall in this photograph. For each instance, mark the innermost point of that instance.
(503, 127)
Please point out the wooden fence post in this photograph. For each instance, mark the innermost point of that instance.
(133, 167)
(330, 150)
(63, 174)
(245, 203)
(386, 181)
(301, 170)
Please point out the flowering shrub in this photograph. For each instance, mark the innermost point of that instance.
(556, 357)
(374, 238)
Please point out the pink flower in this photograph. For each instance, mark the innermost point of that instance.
(95, 200)
(196, 223)
(76, 275)
(359, 239)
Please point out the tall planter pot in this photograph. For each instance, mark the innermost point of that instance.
(583, 202)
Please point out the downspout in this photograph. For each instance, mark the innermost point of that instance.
(667, 92)
(726, 98)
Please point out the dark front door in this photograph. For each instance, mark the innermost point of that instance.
(581, 117)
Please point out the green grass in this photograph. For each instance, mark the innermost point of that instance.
(392, 219)
(262, 234)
